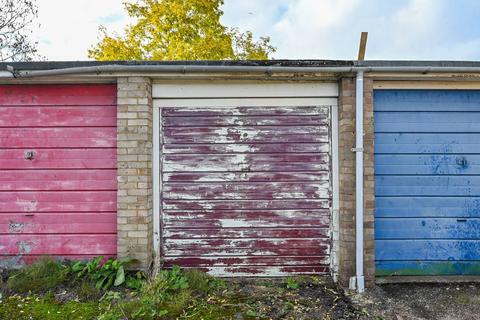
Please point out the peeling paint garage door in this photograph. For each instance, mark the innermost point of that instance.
(427, 182)
(57, 171)
(246, 190)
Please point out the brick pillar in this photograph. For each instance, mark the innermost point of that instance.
(134, 151)
(346, 128)
(368, 184)
(346, 116)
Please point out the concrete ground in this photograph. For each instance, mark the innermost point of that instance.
(438, 301)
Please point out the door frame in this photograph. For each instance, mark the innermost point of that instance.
(249, 94)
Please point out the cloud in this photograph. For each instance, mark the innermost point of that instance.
(300, 29)
(254, 15)
(398, 29)
(111, 18)
(68, 28)
(316, 29)
(331, 28)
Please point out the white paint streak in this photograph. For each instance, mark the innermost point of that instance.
(27, 205)
(237, 223)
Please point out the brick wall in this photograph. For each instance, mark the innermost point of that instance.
(134, 150)
(346, 117)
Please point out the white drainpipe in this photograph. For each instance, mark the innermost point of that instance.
(358, 282)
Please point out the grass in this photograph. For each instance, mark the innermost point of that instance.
(43, 275)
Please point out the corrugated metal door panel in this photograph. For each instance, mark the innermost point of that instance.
(427, 182)
(246, 191)
(61, 202)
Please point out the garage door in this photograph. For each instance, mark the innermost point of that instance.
(246, 190)
(427, 182)
(57, 171)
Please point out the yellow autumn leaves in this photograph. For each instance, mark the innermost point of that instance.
(179, 30)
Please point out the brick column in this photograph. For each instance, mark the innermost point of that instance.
(346, 116)
(134, 151)
(368, 184)
(346, 128)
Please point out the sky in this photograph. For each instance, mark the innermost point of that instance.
(299, 29)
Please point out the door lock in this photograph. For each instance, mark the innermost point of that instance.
(461, 161)
(29, 155)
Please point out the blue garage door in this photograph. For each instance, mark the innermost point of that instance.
(427, 182)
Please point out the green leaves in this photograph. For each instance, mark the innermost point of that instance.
(179, 30)
(111, 273)
(120, 277)
(292, 284)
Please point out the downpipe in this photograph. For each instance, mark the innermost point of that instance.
(358, 282)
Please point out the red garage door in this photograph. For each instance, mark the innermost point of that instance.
(246, 190)
(57, 171)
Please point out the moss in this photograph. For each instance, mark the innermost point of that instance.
(462, 298)
(41, 276)
(35, 307)
(428, 268)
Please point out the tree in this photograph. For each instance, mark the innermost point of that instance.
(179, 30)
(16, 18)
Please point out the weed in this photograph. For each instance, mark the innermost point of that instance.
(202, 283)
(175, 294)
(252, 313)
(111, 273)
(292, 284)
(41, 276)
(289, 305)
(166, 283)
(111, 296)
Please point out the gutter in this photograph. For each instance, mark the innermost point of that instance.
(184, 69)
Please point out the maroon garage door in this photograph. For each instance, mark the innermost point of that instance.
(57, 171)
(246, 191)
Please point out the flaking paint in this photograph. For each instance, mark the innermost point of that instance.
(427, 159)
(246, 173)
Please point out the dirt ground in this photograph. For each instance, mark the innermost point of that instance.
(436, 301)
(306, 298)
